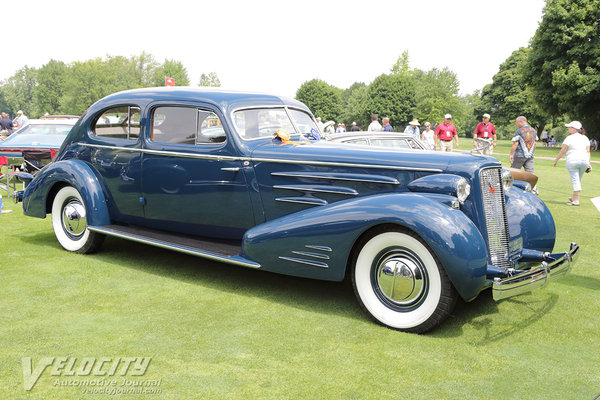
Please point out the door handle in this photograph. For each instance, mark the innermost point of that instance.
(234, 169)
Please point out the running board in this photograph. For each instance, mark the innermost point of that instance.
(227, 253)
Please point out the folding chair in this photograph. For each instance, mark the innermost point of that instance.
(7, 179)
(35, 160)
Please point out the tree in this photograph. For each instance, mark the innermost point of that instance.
(355, 104)
(19, 91)
(50, 87)
(171, 69)
(322, 99)
(563, 66)
(436, 94)
(509, 95)
(392, 96)
(402, 65)
(211, 79)
(144, 69)
(86, 83)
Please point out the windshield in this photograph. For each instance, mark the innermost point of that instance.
(264, 122)
(45, 130)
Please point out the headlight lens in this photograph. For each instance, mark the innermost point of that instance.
(507, 180)
(463, 189)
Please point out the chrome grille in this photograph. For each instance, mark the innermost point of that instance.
(494, 210)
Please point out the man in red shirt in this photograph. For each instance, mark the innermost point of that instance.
(485, 136)
(444, 134)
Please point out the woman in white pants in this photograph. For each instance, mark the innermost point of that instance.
(577, 148)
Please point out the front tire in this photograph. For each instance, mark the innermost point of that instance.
(400, 282)
(69, 220)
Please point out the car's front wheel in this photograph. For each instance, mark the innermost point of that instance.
(69, 220)
(399, 281)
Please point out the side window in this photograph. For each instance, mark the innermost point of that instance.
(358, 141)
(210, 129)
(186, 125)
(119, 123)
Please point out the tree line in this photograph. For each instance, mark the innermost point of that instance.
(402, 94)
(555, 79)
(60, 88)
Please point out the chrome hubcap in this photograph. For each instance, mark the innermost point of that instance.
(400, 279)
(74, 218)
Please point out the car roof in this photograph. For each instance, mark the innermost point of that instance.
(230, 98)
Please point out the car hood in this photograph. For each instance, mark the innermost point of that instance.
(33, 142)
(334, 154)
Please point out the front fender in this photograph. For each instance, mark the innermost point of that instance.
(74, 173)
(530, 220)
(317, 243)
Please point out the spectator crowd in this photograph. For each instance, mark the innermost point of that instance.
(8, 126)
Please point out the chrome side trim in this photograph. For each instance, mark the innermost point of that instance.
(314, 255)
(315, 247)
(165, 153)
(340, 164)
(270, 160)
(303, 200)
(388, 181)
(236, 260)
(309, 188)
(307, 262)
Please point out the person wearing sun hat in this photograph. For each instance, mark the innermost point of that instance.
(576, 146)
(444, 134)
(413, 128)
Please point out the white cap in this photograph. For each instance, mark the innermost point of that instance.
(19, 112)
(448, 116)
(574, 124)
(486, 115)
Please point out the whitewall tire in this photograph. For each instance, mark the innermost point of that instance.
(400, 282)
(69, 220)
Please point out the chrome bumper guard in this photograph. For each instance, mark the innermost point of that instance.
(556, 266)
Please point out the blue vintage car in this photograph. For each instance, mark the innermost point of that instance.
(230, 176)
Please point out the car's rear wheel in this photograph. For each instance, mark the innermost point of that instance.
(69, 220)
(400, 282)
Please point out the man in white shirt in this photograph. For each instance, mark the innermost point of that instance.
(375, 126)
(20, 121)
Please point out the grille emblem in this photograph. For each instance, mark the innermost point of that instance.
(492, 189)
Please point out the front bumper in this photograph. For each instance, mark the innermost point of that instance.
(555, 266)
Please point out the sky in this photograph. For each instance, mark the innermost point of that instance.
(275, 46)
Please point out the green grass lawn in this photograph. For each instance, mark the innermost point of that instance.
(217, 331)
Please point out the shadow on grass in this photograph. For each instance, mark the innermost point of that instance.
(580, 281)
(329, 298)
(477, 314)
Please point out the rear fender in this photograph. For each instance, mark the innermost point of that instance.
(75, 173)
(318, 242)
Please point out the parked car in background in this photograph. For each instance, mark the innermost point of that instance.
(39, 134)
(407, 141)
(381, 139)
(229, 176)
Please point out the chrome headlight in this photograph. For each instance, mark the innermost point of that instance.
(463, 189)
(507, 180)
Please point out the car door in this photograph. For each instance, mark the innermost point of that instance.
(116, 155)
(193, 180)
